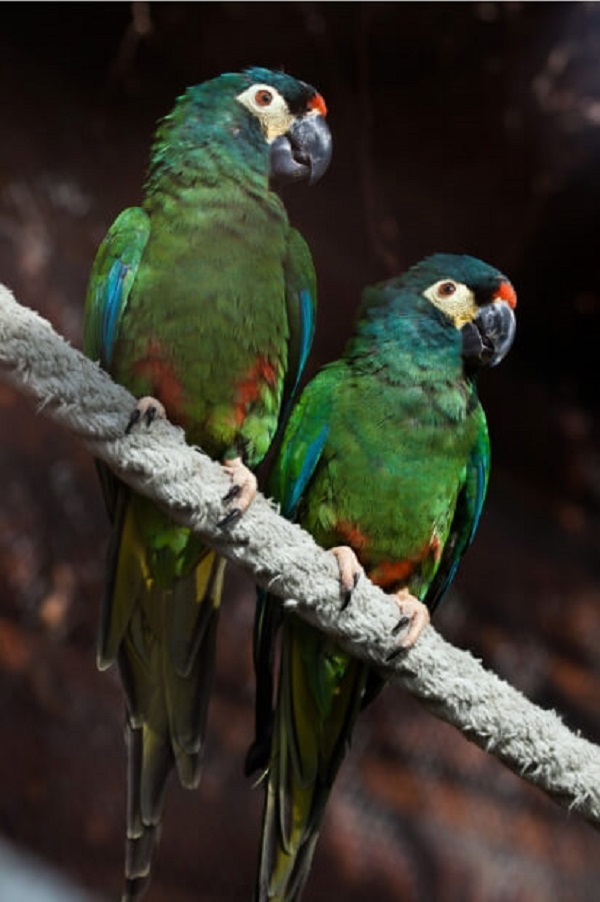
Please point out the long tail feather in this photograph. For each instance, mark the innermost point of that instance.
(161, 621)
(266, 624)
(320, 692)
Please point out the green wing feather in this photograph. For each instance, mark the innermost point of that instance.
(113, 275)
(320, 687)
(111, 280)
(467, 513)
(305, 437)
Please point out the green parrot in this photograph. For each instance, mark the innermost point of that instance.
(201, 302)
(386, 453)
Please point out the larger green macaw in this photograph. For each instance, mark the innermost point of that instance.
(386, 453)
(202, 298)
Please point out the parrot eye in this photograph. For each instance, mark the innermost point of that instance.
(263, 98)
(446, 289)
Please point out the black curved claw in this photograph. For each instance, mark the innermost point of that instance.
(347, 597)
(233, 492)
(402, 624)
(136, 413)
(148, 415)
(389, 659)
(232, 517)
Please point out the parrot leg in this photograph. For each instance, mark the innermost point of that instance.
(243, 490)
(350, 571)
(414, 614)
(147, 409)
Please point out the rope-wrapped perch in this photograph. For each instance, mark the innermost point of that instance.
(76, 393)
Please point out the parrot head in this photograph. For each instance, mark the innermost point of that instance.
(266, 122)
(478, 299)
(291, 115)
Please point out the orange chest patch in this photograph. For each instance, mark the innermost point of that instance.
(387, 573)
(262, 374)
(390, 573)
(158, 370)
(352, 535)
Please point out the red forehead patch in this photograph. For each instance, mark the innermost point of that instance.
(506, 293)
(317, 103)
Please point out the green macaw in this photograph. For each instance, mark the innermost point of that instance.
(202, 299)
(385, 453)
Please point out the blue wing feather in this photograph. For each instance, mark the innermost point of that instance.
(307, 309)
(293, 488)
(113, 305)
(301, 303)
(478, 491)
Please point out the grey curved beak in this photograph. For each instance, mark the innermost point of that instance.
(488, 338)
(304, 152)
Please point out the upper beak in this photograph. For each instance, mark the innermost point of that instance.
(488, 338)
(304, 152)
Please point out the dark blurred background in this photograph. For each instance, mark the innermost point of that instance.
(459, 127)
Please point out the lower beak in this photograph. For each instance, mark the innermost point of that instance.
(488, 338)
(304, 152)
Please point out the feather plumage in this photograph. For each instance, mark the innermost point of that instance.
(204, 298)
(386, 451)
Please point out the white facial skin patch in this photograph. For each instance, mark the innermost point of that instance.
(454, 299)
(270, 108)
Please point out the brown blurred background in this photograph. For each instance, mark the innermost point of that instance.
(459, 127)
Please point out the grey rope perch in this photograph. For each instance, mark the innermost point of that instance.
(451, 683)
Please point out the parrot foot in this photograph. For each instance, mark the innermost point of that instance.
(243, 490)
(414, 615)
(350, 571)
(147, 409)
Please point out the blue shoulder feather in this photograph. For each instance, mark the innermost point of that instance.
(294, 487)
(113, 303)
(111, 281)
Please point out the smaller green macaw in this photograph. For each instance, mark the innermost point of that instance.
(386, 455)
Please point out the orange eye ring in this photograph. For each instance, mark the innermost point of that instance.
(446, 289)
(263, 98)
